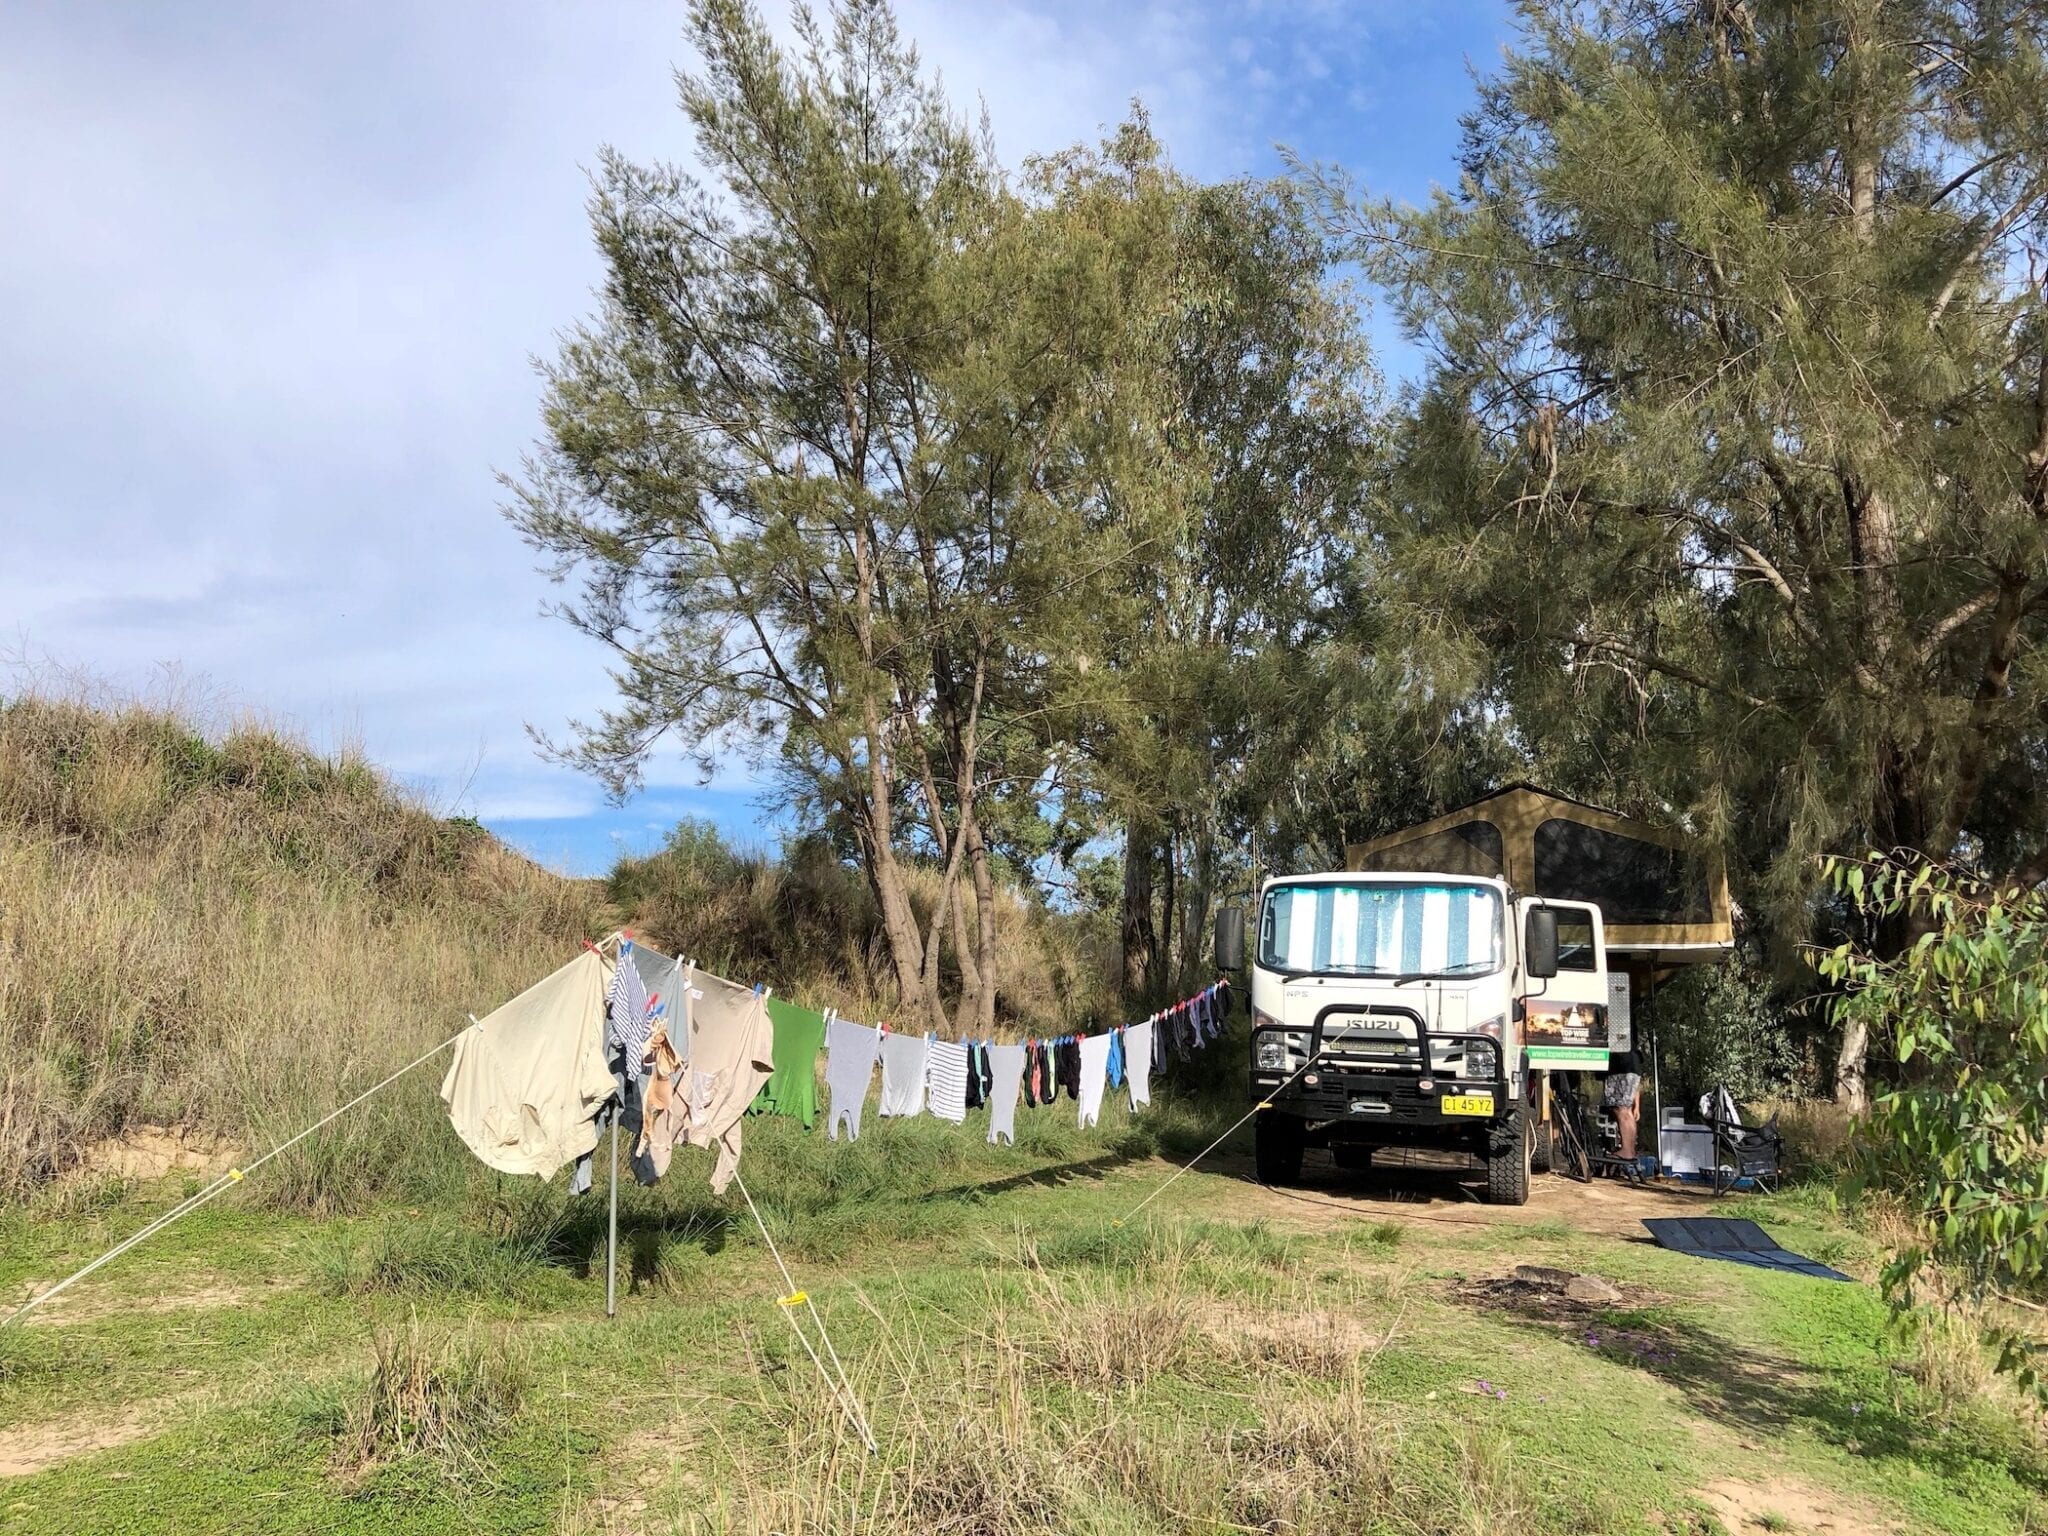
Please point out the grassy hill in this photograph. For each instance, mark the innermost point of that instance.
(221, 933)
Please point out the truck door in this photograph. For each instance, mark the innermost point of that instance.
(1564, 1017)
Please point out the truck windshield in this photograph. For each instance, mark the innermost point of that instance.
(1365, 928)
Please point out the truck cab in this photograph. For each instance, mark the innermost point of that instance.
(1414, 1009)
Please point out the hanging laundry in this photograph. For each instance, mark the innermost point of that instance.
(904, 1060)
(1048, 1073)
(626, 1026)
(1006, 1079)
(732, 1053)
(851, 1050)
(527, 1080)
(1116, 1058)
(1138, 1060)
(1091, 1056)
(947, 1069)
(975, 1096)
(664, 1110)
(793, 1088)
(1069, 1066)
(984, 1070)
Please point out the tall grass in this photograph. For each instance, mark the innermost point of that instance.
(1111, 1402)
(233, 933)
(434, 1400)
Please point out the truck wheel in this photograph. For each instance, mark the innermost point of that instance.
(1507, 1163)
(1277, 1144)
(1540, 1149)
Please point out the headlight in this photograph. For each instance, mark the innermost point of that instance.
(1270, 1055)
(1482, 1058)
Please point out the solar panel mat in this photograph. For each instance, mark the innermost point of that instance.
(1737, 1242)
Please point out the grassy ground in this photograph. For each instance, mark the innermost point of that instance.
(1233, 1360)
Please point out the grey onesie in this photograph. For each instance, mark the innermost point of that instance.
(850, 1051)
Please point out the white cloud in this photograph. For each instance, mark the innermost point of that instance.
(273, 276)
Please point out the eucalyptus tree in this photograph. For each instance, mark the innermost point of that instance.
(1732, 457)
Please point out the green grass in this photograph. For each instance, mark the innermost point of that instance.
(1027, 1364)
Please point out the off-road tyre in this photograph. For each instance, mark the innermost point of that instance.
(1278, 1142)
(1542, 1147)
(1507, 1162)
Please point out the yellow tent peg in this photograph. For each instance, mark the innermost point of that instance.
(794, 1299)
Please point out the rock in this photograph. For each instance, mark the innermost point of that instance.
(1591, 1291)
(1542, 1276)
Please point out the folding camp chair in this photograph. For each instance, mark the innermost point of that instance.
(1755, 1153)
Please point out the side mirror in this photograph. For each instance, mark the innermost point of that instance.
(1230, 939)
(1539, 943)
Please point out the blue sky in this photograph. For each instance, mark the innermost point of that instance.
(272, 277)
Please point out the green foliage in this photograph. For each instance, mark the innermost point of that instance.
(1727, 482)
(1962, 1135)
(1722, 1024)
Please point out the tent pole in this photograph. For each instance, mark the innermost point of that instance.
(611, 1235)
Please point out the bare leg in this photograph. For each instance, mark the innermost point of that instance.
(1625, 1121)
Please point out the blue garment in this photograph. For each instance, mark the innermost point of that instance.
(1116, 1058)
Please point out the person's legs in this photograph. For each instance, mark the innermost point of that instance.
(1625, 1122)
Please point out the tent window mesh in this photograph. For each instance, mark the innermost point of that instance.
(1472, 848)
(1631, 881)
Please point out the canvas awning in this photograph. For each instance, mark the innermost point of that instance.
(1663, 897)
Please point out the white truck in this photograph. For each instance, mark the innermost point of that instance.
(1400, 1009)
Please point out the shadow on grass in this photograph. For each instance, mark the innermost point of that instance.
(1057, 1176)
(648, 1239)
(1871, 1413)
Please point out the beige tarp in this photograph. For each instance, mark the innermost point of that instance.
(525, 1086)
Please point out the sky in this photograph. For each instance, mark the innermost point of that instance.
(273, 278)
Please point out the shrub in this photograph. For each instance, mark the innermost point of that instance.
(1961, 1136)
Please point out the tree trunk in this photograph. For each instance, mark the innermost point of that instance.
(875, 823)
(1167, 901)
(1851, 1090)
(984, 1019)
(1137, 933)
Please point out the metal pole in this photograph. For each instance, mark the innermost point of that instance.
(611, 1236)
(1657, 1093)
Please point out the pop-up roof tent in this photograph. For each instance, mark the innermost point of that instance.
(1664, 900)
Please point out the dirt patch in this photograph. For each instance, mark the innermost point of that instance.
(31, 1448)
(1555, 1295)
(90, 1306)
(154, 1151)
(1441, 1192)
(1780, 1504)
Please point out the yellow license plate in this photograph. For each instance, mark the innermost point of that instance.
(1468, 1104)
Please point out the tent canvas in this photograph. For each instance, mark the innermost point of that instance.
(1664, 899)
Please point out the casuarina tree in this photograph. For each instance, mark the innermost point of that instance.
(813, 464)
(1731, 461)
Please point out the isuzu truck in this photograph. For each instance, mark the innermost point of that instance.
(1397, 1010)
(1425, 996)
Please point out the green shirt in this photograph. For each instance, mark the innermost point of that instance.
(792, 1089)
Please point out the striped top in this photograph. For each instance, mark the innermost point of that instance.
(947, 1075)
